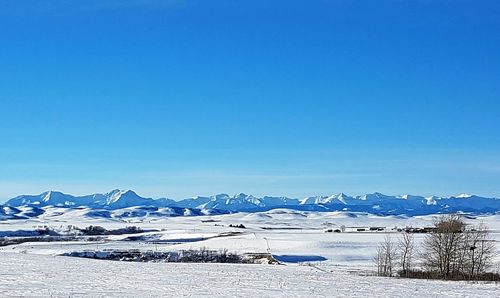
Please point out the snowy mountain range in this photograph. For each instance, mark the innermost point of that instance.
(375, 203)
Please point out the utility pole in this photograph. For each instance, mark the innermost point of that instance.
(268, 248)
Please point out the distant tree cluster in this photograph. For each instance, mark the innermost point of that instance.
(100, 231)
(451, 251)
(202, 255)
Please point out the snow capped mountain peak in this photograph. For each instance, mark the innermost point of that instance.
(373, 196)
(125, 198)
(340, 198)
(312, 200)
(46, 196)
(411, 197)
(221, 196)
(53, 198)
(464, 196)
(241, 196)
(120, 192)
(114, 191)
(343, 198)
(53, 195)
(432, 200)
(381, 195)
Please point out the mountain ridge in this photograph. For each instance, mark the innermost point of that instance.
(376, 202)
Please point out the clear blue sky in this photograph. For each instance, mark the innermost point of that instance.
(193, 97)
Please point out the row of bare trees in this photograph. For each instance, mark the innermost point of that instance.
(392, 256)
(455, 251)
(452, 251)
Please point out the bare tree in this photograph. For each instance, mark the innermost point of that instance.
(406, 251)
(379, 260)
(386, 257)
(442, 248)
(479, 251)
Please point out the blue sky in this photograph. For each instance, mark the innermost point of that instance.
(190, 97)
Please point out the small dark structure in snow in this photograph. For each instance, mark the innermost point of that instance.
(333, 231)
(365, 229)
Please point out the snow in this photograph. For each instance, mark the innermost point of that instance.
(48, 276)
(284, 231)
(340, 260)
(325, 200)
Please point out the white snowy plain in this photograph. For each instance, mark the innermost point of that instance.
(49, 276)
(37, 270)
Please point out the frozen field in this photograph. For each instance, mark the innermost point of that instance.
(316, 263)
(49, 276)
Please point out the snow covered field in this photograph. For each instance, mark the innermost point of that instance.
(340, 260)
(48, 276)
